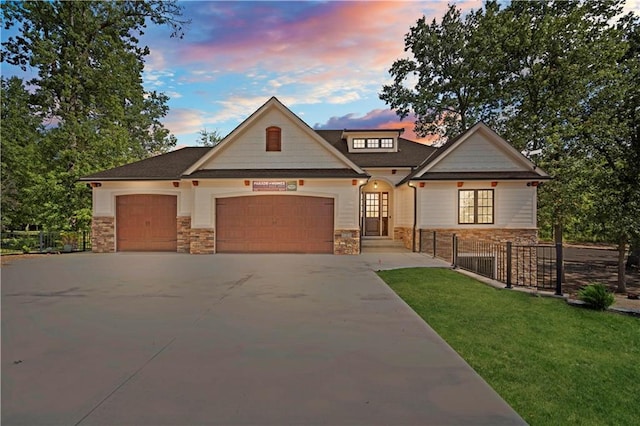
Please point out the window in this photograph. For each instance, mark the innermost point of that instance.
(373, 143)
(475, 206)
(274, 139)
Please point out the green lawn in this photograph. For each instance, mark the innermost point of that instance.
(553, 363)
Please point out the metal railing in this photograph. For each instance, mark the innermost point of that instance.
(529, 265)
(45, 241)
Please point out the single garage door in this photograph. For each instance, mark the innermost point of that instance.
(274, 224)
(146, 223)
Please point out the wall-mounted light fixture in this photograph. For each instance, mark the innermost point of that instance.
(421, 184)
(195, 182)
(176, 184)
(300, 182)
(354, 182)
(375, 184)
(494, 184)
(460, 184)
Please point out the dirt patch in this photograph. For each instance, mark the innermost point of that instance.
(581, 273)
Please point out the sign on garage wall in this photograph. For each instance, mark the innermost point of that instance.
(275, 185)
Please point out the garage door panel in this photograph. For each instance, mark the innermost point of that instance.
(146, 222)
(274, 224)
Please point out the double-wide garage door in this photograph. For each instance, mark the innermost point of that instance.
(274, 224)
(146, 222)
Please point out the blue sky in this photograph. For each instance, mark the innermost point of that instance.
(327, 61)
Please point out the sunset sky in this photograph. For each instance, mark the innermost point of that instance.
(327, 61)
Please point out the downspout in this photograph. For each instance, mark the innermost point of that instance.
(415, 215)
(360, 218)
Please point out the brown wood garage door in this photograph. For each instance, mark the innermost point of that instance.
(274, 224)
(146, 222)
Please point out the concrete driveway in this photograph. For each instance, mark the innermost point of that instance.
(170, 339)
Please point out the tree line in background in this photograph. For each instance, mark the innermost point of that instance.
(83, 111)
(556, 77)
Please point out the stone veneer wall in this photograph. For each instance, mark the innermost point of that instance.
(346, 241)
(202, 241)
(184, 234)
(103, 234)
(404, 233)
(523, 271)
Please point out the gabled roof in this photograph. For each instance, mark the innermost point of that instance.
(169, 166)
(409, 154)
(273, 102)
(528, 170)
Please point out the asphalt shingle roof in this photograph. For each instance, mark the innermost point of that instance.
(172, 165)
(410, 154)
(161, 167)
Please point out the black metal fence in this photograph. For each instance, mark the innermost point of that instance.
(45, 241)
(529, 265)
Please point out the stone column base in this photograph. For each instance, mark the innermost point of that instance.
(103, 234)
(202, 241)
(184, 234)
(346, 241)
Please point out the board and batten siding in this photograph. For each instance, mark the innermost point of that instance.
(344, 194)
(298, 148)
(478, 153)
(515, 205)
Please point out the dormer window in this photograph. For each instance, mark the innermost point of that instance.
(372, 140)
(274, 141)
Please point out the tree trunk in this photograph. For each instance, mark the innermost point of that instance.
(622, 249)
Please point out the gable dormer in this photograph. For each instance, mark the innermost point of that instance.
(372, 140)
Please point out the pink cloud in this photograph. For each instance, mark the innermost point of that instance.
(376, 119)
(350, 36)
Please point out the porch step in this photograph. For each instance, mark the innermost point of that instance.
(383, 245)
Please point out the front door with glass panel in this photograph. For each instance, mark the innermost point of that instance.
(376, 214)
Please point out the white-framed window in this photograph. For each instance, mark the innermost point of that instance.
(359, 143)
(475, 206)
(373, 143)
(386, 143)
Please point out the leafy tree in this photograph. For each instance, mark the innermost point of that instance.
(611, 118)
(209, 138)
(449, 79)
(557, 76)
(88, 90)
(21, 162)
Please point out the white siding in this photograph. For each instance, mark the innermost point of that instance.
(478, 153)
(514, 202)
(403, 206)
(299, 149)
(345, 197)
(104, 197)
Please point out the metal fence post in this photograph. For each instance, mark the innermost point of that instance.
(41, 241)
(559, 264)
(509, 248)
(454, 250)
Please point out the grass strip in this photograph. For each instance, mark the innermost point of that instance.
(553, 363)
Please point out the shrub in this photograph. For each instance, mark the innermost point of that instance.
(596, 296)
